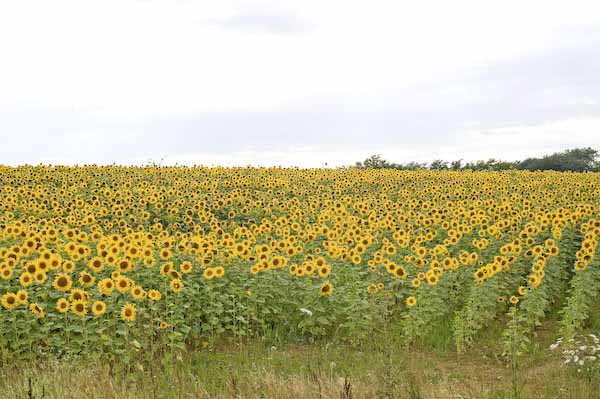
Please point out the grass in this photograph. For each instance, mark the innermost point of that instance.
(382, 369)
(300, 373)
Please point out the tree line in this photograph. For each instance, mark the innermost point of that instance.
(574, 160)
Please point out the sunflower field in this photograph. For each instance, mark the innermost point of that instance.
(112, 262)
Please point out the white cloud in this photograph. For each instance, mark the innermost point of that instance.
(77, 75)
(264, 20)
(509, 144)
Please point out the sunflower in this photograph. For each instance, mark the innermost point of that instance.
(176, 285)
(148, 261)
(98, 308)
(62, 305)
(37, 310)
(513, 300)
(123, 284)
(68, 266)
(390, 267)
(79, 308)
(6, 273)
(309, 268)
(25, 279)
(480, 275)
(174, 274)
(219, 271)
(186, 267)
(326, 289)
(10, 301)
(138, 292)
(62, 282)
(124, 265)
(432, 279)
(165, 253)
(31, 268)
(154, 295)
(533, 280)
(208, 273)
(166, 268)
(106, 286)
(400, 272)
(86, 279)
(132, 252)
(96, 264)
(128, 312)
(78, 295)
(411, 301)
(40, 277)
(22, 296)
(324, 270)
(580, 265)
(164, 325)
(54, 262)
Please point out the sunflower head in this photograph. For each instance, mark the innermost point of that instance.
(326, 289)
(79, 308)
(98, 308)
(62, 305)
(128, 312)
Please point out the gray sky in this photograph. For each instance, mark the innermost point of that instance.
(296, 82)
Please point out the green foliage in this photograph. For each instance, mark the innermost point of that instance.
(574, 160)
(585, 287)
(376, 162)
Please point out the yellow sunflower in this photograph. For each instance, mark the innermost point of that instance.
(37, 310)
(176, 285)
(154, 295)
(62, 305)
(326, 289)
(98, 308)
(62, 282)
(128, 312)
(79, 308)
(10, 301)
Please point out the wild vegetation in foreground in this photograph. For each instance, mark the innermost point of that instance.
(430, 368)
(137, 276)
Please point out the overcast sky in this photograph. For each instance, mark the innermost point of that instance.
(296, 83)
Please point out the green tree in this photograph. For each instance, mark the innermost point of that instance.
(576, 160)
(438, 164)
(456, 165)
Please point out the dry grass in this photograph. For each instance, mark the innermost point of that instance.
(296, 375)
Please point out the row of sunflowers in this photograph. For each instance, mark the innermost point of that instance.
(110, 261)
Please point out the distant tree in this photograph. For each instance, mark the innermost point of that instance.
(376, 162)
(456, 165)
(490, 165)
(478, 165)
(438, 164)
(414, 166)
(576, 160)
(503, 165)
(373, 162)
